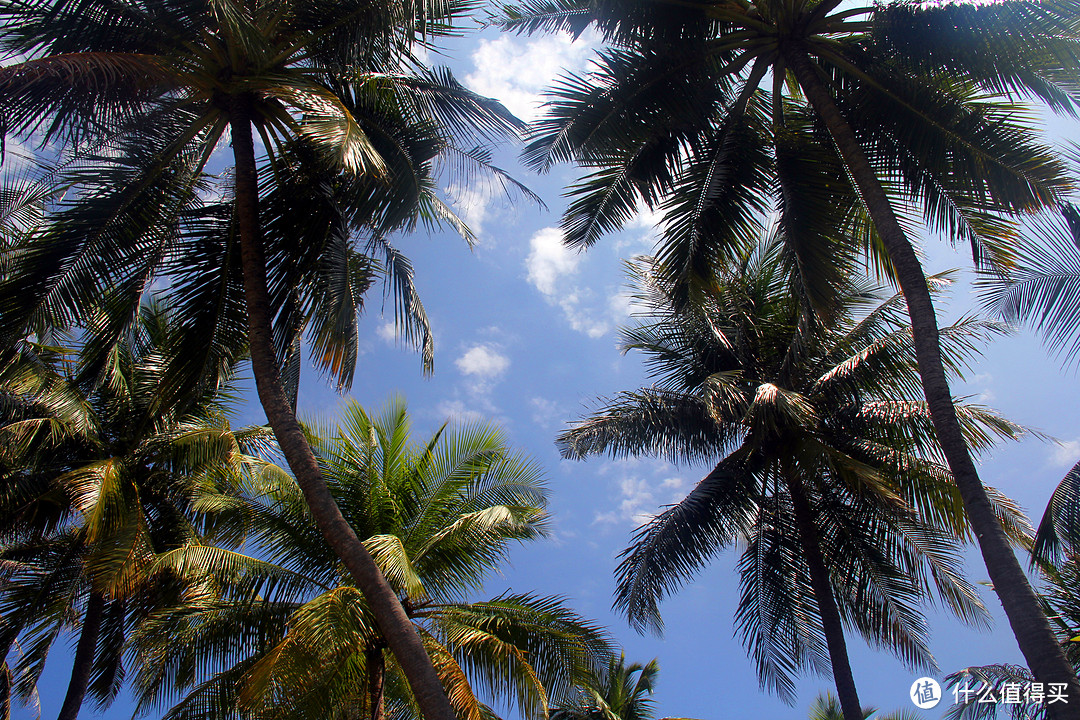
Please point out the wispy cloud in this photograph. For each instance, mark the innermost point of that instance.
(482, 365)
(387, 332)
(549, 259)
(1066, 454)
(641, 489)
(546, 413)
(516, 70)
(640, 233)
(552, 269)
(458, 411)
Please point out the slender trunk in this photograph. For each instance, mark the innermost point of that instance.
(376, 679)
(84, 657)
(1030, 626)
(399, 632)
(5, 681)
(831, 623)
(5, 690)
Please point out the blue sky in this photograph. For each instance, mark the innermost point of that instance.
(525, 336)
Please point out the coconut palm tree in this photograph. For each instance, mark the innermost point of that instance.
(827, 707)
(22, 205)
(822, 463)
(620, 692)
(284, 633)
(916, 105)
(1060, 595)
(161, 84)
(100, 474)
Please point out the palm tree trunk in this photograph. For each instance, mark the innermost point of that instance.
(376, 668)
(395, 626)
(84, 657)
(5, 690)
(831, 623)
(1029, 624)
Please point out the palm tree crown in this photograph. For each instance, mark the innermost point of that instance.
(621, 692)
(823, 466)
(911, 105)
(332, 88)
(287, 635)
(101, 474)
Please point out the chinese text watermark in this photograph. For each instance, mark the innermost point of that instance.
(1011, 693)
(926, 693)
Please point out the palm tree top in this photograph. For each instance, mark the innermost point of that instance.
(102, 472)
(679, 114)
(438, 516)
(202, 54)
(795, 418)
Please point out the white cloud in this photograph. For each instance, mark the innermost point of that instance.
(1066, 454)
(458, 412)
(986, 393)
(641, 232)
(623, 305)
(482, 364)
(580, 313)
(642, 489)
(517, 70)
(552, 268)
(387, 332)
(546, 413)
(483, 361)
(549, 259)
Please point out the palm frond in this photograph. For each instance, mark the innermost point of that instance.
(667, 424)
(1043, 289)
(669, 549)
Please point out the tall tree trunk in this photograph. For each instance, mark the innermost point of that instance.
(395, 626)
(376, 668)
(831, 623)
(84, 657)
(5, 690)
(1029, 624)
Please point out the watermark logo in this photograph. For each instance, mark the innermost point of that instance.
(925, 693)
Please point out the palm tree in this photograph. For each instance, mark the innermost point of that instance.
(827, 707)
(282, 633)
(823, 465)
(620, 692)
(1060, 596)
(687, 112)
(22, 205)
(163, 82)
(1043, 291)
(100, 475)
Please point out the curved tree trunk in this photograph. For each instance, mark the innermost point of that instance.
(831, 623)
(395, 626)
(1030, 626)
(84, 657)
